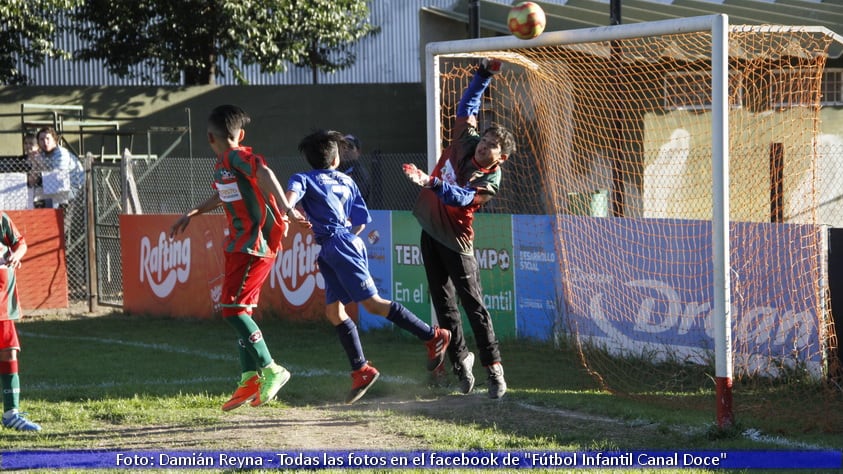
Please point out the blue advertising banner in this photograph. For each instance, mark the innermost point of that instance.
(537, 277)
(378, 238)
(632, 299)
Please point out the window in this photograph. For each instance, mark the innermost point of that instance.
(832, 87)
(793, 88)
(692, 90)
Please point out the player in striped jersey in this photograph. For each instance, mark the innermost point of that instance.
(12, 249)
(258, 215)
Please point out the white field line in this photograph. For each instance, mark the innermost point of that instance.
(295, 370)
(756, 435)
(750, 433)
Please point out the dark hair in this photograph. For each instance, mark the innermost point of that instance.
(321, 147)
(504, 136)
(226, 121)
(353, 141)
(50, 130)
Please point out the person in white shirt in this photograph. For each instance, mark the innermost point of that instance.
(58, 158)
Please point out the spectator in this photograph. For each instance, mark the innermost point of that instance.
(34, 165)
(352, 165)
(58, 158)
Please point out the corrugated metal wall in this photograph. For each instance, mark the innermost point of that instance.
(390, 57)
(393, 56)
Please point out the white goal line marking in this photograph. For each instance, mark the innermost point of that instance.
(297, 371)
(750, 433)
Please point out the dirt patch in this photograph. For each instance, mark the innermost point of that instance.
(249, 429)
(366, 425)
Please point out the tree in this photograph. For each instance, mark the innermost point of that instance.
(185, 40)
(27, 34)
(323, 33)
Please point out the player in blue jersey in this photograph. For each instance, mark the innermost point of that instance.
(333, 205)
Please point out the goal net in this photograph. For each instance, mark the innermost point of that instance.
(683, 214)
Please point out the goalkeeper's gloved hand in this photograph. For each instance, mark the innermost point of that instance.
(416, 175)
(489, 67)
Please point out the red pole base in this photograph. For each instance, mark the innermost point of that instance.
(725, 417)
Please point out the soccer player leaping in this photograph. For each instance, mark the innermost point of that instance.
(333, 205)
(250, 195)
(467, 175)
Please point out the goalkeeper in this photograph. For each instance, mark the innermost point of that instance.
(467, 175)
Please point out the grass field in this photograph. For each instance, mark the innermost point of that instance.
(132, 383)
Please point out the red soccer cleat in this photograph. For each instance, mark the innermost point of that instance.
(436, 348)
(246, 392)
(361, 380)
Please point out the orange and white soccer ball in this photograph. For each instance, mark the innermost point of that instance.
(526, 20)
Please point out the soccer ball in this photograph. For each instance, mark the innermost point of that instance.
(526, 20)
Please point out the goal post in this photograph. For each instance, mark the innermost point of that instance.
(663, 129)
(722, 314)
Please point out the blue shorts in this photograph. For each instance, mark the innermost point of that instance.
(344, 264)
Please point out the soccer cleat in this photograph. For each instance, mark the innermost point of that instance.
(436, 348)
(361, 380)
(272, 378)
(246, 391)
(439, 377)
(18, 421)
(497, 384)
(463, 369)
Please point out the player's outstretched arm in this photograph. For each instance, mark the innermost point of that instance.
(292, 198)
(269, 186)
(449, 194)
(469, 104)
(207, 205)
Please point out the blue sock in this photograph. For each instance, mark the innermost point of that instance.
(350, 340)
(406, 320)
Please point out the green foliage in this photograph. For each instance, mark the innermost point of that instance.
(27, 35)
(322, 33)
(186, 39)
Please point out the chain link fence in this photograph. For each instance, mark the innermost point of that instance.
(175, 184)
(22, 189)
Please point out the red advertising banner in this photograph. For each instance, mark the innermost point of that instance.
(42, 277)
(182, 276)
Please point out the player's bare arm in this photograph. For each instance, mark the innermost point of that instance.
(207, 205)
(14, 259)
(269, 185)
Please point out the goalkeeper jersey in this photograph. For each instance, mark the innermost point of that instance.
(448, 224)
